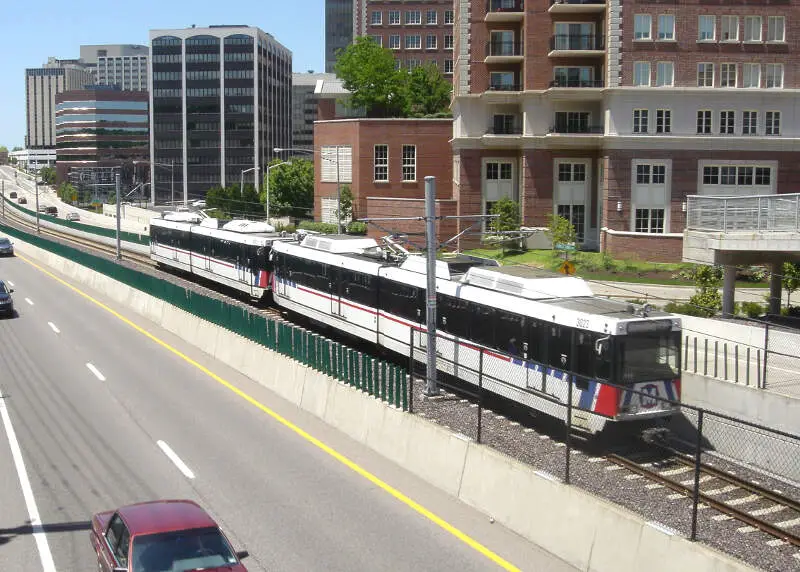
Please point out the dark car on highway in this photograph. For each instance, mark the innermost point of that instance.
(13, 195)
(6, 301)
(23, 201)
(161, 535)
(6, 247)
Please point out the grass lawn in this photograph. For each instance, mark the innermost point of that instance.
(600, 266)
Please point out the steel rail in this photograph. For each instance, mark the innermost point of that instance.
(721, 506)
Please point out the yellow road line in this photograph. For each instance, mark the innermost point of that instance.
(466, 539)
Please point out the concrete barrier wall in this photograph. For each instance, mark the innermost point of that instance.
(584, 530)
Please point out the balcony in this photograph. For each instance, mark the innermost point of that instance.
(499, 52)
(505, 87)
(504, 11)
(577, 129)
(505, 124)
(576, 6)
(565, 45)
(577, 83)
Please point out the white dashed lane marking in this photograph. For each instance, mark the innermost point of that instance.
(53, 327)
(96, 372)
(172, 456)
(29, 301)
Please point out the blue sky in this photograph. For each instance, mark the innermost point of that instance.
(59, 27)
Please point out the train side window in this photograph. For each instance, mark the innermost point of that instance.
(452, 315)
(400, 299)
(482, 327)
(510, 333)
(359, 287)
(584, 361)
(559, 347)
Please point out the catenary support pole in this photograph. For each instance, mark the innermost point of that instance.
(431, 387)
(119, 251)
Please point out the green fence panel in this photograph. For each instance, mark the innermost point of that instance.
(371, 376)
(383, 380)
(399, 377)
(405, 387)
(357, 369)
(390, 384)
(351, 366)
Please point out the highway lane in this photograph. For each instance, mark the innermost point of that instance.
(92, 445)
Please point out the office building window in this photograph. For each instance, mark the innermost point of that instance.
(773, 75)
(448, 41)
(448, 66)
(773, 123)
(394, 17)
(409, 163)
(727, 122)
(413, 17)
(640, 120)
(664, 74)
(431, 17)
(381, 162)
(776, 29)
(376, 18)
(752, 28)
(727, 75)
(749, 122)
(729, 28)
(650, 221)
(394, 42)
(666, 27)
(413, 42)
(704, 122)
(448, 17)
(706, 26)
(641, 26)
(663, 121)
(751, 75)
(641, 74)
(430, 42)
(705, 75)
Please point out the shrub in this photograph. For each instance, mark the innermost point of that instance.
(290, 228)
(752, 309)
(357, 227)
(685, 308)
(323, 227)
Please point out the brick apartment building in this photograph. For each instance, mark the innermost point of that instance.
(611, 113)
(384, 162)
(418, 32)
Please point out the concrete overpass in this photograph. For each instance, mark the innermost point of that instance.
(736, 231)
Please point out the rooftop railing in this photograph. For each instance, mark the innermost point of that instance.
(762, 213)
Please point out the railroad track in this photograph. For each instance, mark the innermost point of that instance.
(776, 515)
(86, 243)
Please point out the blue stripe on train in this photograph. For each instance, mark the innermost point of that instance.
(669, 388)
(587, 396)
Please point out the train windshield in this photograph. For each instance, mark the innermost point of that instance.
(649, 357)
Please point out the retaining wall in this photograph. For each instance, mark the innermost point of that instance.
(584, 530)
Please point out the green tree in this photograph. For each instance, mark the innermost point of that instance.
(790, 279)
(3, 149)
(17, 148)
(707, 298)
(560, 230)
(509, 216)
(427, 92)
(368, 73)
(67, 192)
(346, 204)
(48, 175)
(291, 188)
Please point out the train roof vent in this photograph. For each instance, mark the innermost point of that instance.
(210, 222)
(181, 217)
(531, 283)
(248, 226)
(419, 264)
(338, 244)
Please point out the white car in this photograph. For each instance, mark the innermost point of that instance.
(199, 204)
(73, 216)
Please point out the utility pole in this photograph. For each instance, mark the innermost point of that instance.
(338, 196)
(431, 387)
(37, 206)
(3, 190)
(119, 251)
(172, 174)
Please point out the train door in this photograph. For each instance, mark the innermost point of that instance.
(335, 290)
(206, 250)
(175, 243)
(242, 263)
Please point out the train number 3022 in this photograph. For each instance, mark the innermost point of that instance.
(582, 323)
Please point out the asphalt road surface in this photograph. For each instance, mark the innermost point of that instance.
(90, 405)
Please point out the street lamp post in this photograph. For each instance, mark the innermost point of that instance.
(171, 166)
(338, 180)
(241, 179)
(266, 202)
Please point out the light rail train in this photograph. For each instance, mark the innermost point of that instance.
(519, 332)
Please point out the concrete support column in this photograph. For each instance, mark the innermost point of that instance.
(728, 290)
(775, 288)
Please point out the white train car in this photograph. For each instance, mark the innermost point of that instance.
(236, 255)
(522, 333)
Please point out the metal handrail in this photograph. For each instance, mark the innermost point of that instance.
(577, 42)
(503, 6)
(763, 213)
(503, 48)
